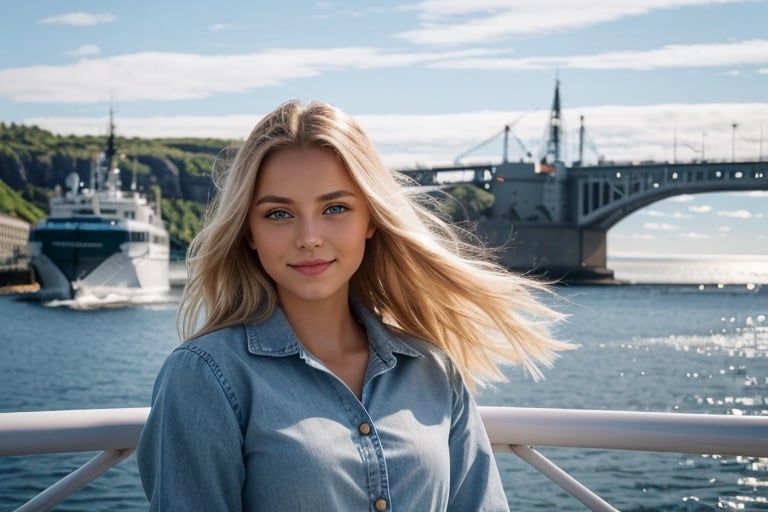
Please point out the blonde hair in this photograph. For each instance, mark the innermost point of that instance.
(419, 274)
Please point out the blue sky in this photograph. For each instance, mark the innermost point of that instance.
(654, 80)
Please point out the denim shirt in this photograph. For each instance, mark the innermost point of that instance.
(245, 418)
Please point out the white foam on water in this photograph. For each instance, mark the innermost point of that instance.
(114, 300)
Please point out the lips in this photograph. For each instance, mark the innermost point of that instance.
(311, 268)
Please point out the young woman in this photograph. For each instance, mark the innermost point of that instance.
(333, 328)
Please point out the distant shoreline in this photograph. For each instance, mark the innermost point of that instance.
(686, 257)
(705, 271)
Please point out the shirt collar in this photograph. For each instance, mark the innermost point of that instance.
(275, 337)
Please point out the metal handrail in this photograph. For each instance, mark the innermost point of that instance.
(628, 430)
(81, 430)
(511, 429)
(515, 429)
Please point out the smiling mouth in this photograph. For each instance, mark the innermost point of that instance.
(312, 268)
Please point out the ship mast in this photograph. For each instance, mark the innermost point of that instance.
(110, 163)
(111, 150)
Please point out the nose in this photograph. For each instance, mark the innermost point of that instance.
(309, 236)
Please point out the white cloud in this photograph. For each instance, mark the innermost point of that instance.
(700, 209)
(683, 198)
(85, 50)
(659, 213)
(692, 235)
(724, 229)
(225, 127)
(642, 133)
(670, 56)
(736, 214)
(216, 27)
(179, 76)
(618, 236)
(79, 19)
(450, 22)
(656, 226)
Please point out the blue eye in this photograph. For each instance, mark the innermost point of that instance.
(278, 215)
(336, 209)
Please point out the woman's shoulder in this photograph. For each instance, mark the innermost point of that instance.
(435, 362)
(428, 350)
(216, 337)
(424, 347)
(217, 344)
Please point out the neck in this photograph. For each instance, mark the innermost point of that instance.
(326, 328)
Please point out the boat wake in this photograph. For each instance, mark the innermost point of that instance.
(113, 300)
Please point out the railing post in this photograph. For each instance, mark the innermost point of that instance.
(566, 482)
(75, 480)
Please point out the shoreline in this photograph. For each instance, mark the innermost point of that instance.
(704, 272)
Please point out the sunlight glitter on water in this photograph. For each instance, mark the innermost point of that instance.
(747, 338)
(748, 270)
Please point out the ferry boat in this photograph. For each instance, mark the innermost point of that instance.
(100, 241)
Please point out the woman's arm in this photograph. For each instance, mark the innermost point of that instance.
(475, 481)
(190, 451)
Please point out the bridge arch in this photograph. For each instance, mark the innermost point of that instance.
(604, 195)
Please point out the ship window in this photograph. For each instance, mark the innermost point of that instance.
(138, 236)
(129, 215)
(84, 211)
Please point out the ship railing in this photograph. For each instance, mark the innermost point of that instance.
(115, 432)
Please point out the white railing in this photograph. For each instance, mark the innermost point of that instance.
(115, 433)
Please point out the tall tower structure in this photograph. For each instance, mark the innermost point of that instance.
(552, 152)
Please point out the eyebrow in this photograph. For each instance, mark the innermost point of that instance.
(330, 196)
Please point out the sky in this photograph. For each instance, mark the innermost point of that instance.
(661, 80)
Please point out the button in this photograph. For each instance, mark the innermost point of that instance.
(380, 504)
(365, 429)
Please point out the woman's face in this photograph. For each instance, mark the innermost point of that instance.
(309, 223)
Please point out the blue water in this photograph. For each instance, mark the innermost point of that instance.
(687, 348)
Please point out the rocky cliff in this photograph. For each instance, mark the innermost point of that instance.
(181, 168)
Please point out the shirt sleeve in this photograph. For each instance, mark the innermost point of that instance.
(190, 450)
(475, 480)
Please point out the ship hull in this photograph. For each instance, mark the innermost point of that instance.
(98, 258)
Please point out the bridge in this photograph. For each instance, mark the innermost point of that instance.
(553, 220)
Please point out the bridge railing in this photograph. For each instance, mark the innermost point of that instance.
(115, 433)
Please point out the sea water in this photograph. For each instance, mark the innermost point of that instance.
(699, 347)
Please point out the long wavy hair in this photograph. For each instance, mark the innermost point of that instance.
(419, 273)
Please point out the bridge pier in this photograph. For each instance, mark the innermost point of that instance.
(554, 251)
